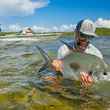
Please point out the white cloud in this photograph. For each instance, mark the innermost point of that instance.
(61, 28)
(20, 7)
(64, 28)
(14, 28)
(67, 28)
(55, 29)
(102, 23)
(35, 28)
(40, 29)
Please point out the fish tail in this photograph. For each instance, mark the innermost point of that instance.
(46, 57)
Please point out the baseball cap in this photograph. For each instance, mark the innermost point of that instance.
(86, 27)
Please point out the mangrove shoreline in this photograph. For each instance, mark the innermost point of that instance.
(99, 32)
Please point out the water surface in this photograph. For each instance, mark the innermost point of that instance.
(19, 65)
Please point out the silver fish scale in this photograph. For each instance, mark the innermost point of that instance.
(77, 62)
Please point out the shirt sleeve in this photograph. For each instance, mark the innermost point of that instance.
(63, 51)
(94, 51)
(91, 49)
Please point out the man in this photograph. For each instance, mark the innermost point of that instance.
(84, 30)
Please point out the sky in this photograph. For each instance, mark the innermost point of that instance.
(52, 15)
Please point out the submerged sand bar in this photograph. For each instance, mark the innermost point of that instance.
(20, 39)
(28, 39)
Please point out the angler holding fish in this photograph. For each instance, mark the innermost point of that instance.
(79, 60)
(85, 30)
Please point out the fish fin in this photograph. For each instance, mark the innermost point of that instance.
(46, 58)
(44, 67)
(67, 44)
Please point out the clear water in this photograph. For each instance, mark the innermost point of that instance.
(21, 89)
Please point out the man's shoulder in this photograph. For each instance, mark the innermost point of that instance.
(64, 50)
(91, 49)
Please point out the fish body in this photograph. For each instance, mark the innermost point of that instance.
(77, 62)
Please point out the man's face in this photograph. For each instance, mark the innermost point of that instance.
(82, 41)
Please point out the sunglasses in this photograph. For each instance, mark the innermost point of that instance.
(85, 36)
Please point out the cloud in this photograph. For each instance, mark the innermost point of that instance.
(17, 27)
(100, 22)
(62, 28)
(55, 29)
(20, 7)
(67, 28)
(40, 29)
(13, 28)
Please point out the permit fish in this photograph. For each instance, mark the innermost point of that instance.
(77, 62)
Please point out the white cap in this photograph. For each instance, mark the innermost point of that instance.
(86, 27)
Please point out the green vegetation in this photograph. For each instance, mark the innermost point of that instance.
(103, 31)
(99, 31)
(7, 33)
(67, 34)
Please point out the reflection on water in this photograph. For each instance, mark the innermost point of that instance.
(21, 88)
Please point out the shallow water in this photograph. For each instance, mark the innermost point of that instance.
(21, 88)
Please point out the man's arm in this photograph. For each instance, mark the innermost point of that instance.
(63, 51)
(57, 64)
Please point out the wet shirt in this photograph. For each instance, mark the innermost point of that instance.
(91, 49)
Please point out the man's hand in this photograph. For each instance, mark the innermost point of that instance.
(57, 65)
(86, 79)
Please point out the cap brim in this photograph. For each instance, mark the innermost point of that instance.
(90, 34)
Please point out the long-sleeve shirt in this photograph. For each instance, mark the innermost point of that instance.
(91, 49)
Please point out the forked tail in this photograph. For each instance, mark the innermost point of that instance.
(47, 59)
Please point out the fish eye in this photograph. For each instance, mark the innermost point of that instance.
(90, 72)
(104, 73)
